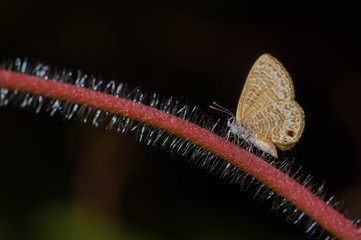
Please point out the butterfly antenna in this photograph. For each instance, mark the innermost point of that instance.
(220, 108)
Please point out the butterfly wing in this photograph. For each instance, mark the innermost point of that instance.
(267, 107)
(268, 81)
(281, 122)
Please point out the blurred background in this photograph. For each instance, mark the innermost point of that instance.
(66, 180)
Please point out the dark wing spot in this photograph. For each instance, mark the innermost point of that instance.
(291, 133)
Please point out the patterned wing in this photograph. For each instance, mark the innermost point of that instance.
(267, 82)
(282, 122)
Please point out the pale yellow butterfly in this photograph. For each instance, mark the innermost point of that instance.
(267, 114)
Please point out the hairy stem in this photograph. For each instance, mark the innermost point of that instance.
(295, 193)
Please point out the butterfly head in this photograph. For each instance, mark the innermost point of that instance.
(237, 129)
(231, 121)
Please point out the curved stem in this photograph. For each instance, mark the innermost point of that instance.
(295, 193)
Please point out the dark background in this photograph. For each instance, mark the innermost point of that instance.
(65, 180)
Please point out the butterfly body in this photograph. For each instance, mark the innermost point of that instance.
(267, 115)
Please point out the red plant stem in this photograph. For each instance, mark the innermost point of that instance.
(298, 195)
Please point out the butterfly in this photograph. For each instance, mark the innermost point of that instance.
(267, 115)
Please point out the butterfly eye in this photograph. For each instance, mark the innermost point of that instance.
(290, 133)
(231, 121)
